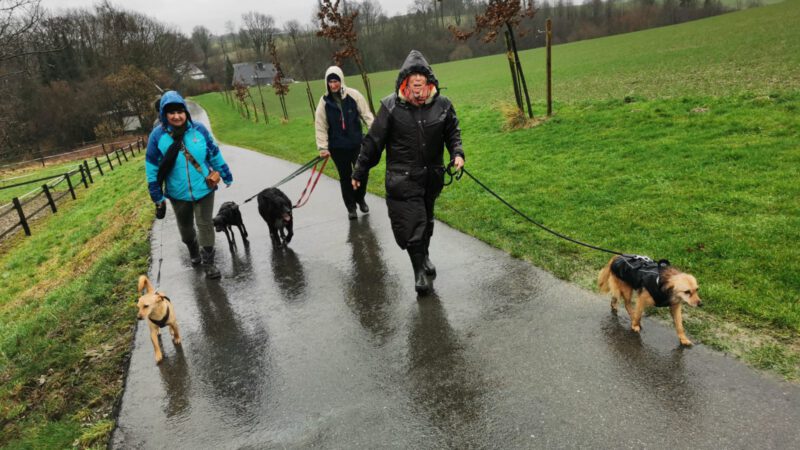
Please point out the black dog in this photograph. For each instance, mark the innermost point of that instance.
(228, 217)
(276, 209)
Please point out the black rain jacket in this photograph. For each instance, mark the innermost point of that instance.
(414, 138)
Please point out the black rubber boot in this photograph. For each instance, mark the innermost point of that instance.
(421, 283)
(430, 269)
(207, 256)
(194, 252)
(351, 213)
(362, 205)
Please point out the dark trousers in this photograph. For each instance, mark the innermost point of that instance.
(345, 159)
(200, 212)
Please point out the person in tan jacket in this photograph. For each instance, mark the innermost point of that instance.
(338, 120)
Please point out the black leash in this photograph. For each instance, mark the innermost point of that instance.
(458, 174)
(294, 174)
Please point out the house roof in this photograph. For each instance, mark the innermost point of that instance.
(247, 72)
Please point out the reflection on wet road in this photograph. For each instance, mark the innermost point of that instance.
(325, 344)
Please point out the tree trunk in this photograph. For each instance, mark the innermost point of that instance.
(519, 70)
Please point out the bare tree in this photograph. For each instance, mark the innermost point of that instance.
(257, 29)
(201, 38)
(17, 19)
(293, 30)
(338, 27)
(501, 14)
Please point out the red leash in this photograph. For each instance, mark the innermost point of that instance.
(303, 197)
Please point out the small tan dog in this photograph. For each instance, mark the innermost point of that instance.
(157, 308)
(655, 283)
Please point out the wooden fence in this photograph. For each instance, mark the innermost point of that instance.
(56, 187)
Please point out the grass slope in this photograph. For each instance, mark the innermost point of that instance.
(66, 308)
(680, 142)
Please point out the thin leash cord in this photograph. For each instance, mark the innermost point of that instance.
(457, 176)
(161, 255)
(292, 175)
(303, 197)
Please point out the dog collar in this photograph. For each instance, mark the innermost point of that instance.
(161, 323)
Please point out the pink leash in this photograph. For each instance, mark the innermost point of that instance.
(303, 197)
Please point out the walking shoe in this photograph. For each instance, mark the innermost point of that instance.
(207, 255)
(351, 214)
(194, 252)
(363, 206)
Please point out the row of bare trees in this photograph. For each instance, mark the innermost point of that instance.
(77, 76)
(81, 75)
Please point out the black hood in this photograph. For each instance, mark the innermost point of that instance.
(416, 63)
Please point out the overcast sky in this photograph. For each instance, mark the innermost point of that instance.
(213, 14)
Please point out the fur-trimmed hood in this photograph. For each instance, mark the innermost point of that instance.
(415, 63)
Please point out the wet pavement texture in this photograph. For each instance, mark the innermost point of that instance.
(325, 344)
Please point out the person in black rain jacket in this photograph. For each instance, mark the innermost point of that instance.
(414, 124)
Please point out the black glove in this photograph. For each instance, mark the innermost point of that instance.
(161, 210)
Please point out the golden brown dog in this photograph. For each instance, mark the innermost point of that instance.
(157, 309)
(655, 284)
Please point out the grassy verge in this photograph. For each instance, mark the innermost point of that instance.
(66, 305)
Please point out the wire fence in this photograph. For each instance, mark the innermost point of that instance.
(55, 188)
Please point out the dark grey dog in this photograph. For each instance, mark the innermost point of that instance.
(228, 217)
(276, 209)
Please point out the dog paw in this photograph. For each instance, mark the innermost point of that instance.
(686, 343)
(159, 358)
(177, 341)
(636, 328)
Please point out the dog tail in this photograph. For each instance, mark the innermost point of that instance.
(144, 284)
(604, 275)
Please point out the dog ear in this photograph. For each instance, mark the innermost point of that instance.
(144, 286)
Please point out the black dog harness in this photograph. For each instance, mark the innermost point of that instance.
(642, 272)
(161, 323)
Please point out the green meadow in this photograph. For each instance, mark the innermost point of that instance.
(680, 142)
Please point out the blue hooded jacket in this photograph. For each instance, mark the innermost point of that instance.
(184, 182)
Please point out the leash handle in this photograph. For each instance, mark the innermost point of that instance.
(302, 201)
(457, 174)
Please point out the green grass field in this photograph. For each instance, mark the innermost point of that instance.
(680, 142)
(699, 165)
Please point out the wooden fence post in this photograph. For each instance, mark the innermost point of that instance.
(69, 183)
(110, 166)
(119, 160)
(123, 154)
(100, 169)
(130, 147)
(549, 68)
(49, 198)
(88, 172)
(22, 220)
(83, 176)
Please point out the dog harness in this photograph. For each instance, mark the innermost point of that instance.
(161, 323)
(642, 272)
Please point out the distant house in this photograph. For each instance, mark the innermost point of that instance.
(192, 72)
(249, 73)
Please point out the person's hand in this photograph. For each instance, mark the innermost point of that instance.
(161, 209)
(458, 162)
(356, 183)
(324, 153)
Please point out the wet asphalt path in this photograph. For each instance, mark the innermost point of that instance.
(325, 344)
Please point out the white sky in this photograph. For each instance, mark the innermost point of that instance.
(213, 14)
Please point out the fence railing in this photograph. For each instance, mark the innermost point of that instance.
(58, 186)
(105, 147)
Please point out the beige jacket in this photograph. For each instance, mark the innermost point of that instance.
(321, 119)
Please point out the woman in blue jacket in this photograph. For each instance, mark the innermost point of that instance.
(180, 155)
